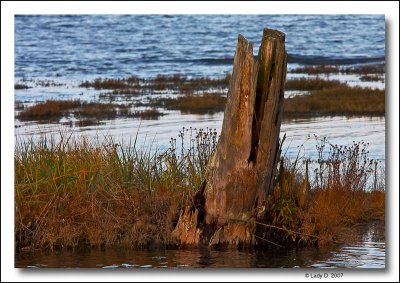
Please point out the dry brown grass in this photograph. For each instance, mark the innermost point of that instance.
(207, 103)
(328, 69)
(101, 83)
(98, 218)
(371, 78)
(148, 114)
(365, 69)
(320, 216)
(20, 86)
(51, 109)
(176, 82)
(80, 192)
(85, 111)
(340, 100)
(333, 212)
(320, 69)
(323, 205)
(311, 84)
(99, 110)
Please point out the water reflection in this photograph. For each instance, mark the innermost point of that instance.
(367, 252)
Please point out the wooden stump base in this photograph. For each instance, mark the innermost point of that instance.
(240, 174)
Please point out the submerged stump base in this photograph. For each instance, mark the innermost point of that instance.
(239, 175)
(187, 230)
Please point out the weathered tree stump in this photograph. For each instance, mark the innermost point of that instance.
(240, 174)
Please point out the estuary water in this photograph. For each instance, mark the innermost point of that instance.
(86, 46)
(368, 251)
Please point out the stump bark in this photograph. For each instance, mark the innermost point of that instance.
(240, 174)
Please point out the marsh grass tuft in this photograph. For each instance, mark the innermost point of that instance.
(78, 191)
(329, 69)
(135, 85)
(372, 78)
(85, 111)
(21, 86)
(339, 100)
(311, 84)
(51, 109)
(152, 113)
(104, 83)
(325, 200)
(206, 103)
(19, 105)
(365, 69)
(320, 69)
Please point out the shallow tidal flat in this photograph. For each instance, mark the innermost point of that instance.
(313, 93)
(161, 105)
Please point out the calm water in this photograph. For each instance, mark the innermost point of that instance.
(366, 252)
(81, 46)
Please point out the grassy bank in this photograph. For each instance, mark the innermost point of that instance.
(322, 206)
(79, 192)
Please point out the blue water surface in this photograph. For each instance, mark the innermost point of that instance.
(85, 46)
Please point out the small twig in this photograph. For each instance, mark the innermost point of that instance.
(268, 241)
(275, 227)
(291, 231)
